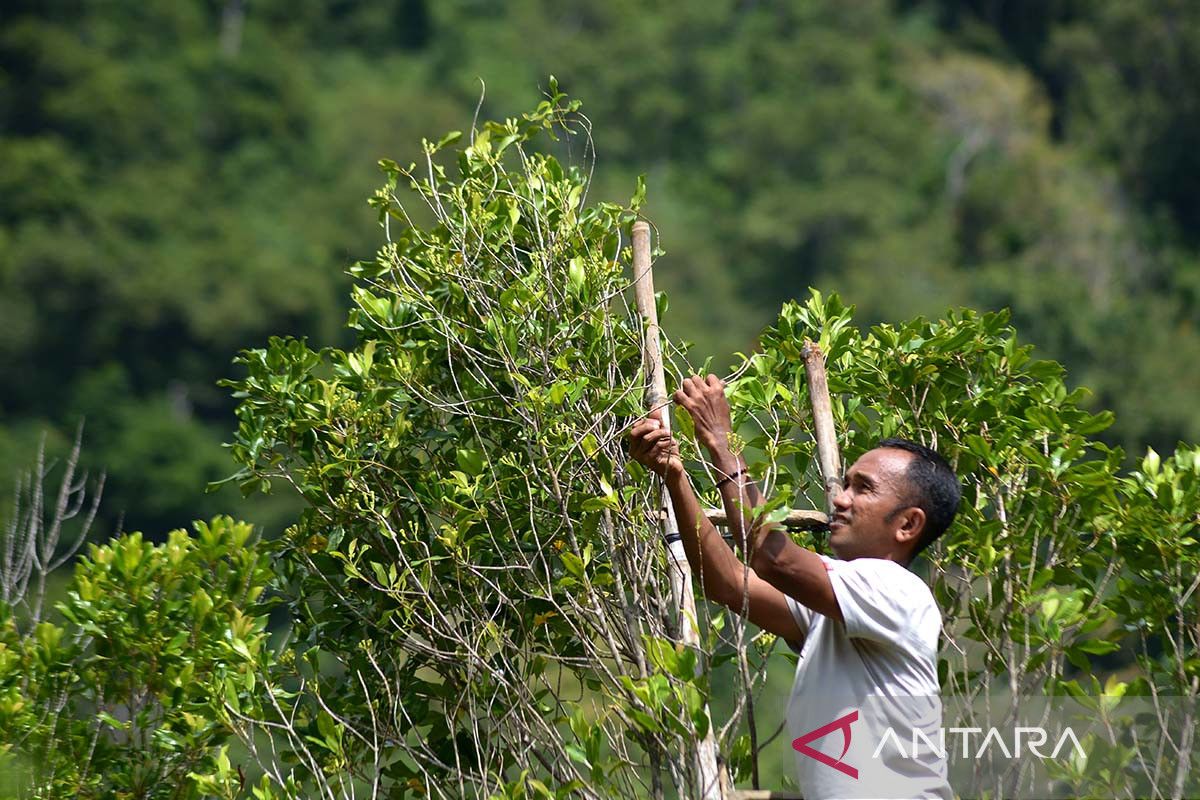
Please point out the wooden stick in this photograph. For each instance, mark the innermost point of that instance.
(797, 519)
(681, 577)
(643, 288)
(823, 430)
(656, 397)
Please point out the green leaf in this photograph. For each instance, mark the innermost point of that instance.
(576, 754)
(449, 139)
(576, 277)
(470, 461)
(639, 195)
(111, 721)
(202, 604)
(573, 563)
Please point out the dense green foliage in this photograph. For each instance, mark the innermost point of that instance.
(471, 542)
(182, 180)
(477, 567)
(122, 696)
(477, 597)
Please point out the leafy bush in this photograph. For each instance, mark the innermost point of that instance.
(122, 696)
(476, 586)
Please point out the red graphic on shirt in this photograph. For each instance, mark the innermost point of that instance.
(801, 745)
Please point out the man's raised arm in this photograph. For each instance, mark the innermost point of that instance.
(722, 577)
(774, 557)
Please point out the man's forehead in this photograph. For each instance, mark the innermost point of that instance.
(883, 464)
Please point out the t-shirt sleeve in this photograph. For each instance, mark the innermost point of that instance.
(801, 613)
(804, 617)
(880, 600)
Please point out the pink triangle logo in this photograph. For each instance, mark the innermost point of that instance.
(801, 745)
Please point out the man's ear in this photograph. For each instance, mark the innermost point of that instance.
(912, 522)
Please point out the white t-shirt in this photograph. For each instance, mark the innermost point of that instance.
(875, 671)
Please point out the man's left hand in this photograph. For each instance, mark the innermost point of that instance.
(704, 399)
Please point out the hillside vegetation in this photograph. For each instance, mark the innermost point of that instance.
(181, 180)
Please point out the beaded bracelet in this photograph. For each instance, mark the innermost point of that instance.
(730, 477)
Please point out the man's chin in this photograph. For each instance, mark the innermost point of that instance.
(837, 537)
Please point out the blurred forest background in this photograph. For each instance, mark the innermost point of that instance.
(179, 180)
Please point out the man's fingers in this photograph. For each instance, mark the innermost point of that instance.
(647, 423)
(698, 386)
(650, 442)
(663, 448)
(690, 389)
(648, 436)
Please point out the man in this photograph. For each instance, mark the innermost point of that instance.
(865, 627)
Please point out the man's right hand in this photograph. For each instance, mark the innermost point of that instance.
(653, 446)
(704, 399)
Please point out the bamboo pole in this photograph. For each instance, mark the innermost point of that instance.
(823, 430)
(797, 519)
(681, 577)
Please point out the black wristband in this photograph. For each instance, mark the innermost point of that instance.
(730, 477)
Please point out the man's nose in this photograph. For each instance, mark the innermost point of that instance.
(841, 500)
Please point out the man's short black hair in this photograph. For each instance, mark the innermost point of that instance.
(934, 487)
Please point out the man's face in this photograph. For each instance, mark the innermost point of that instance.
(865, 522)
